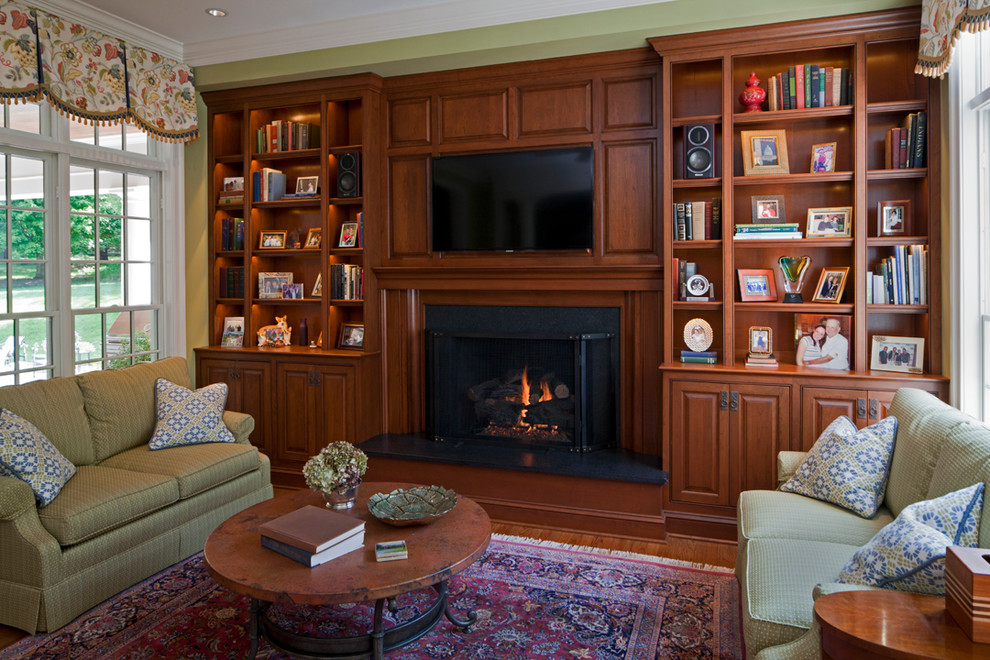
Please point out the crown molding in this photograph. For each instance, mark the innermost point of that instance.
(126, 31)
(432, 19)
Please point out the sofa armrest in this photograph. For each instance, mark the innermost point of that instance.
(787, 464)
(826, 588)
(16, 498)
(240, 424)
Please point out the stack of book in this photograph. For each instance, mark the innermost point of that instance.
(809, 86)
(761, 360)
(698, 221)
(233, 191)
(901, 279)
(775, 231)
(700, 357)
(313, 535)
(905, 147)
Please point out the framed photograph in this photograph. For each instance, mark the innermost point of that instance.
(892, 217)
(307, 185)
(757, 285)
(767, 209)
(351, 336)
(314, 238)
(318, 287)
(830, 222)
(270, 284)
(760, 340)
(233, 184)
(292, 291)
(823, 157)
(831, 283)
(233, 332)
(903, 354)
(271, 240)
(764, 152)
(822, 340)
(348, 235)
(698, 334)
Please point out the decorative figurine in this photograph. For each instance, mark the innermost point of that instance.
(793, 269)
(275, 336)
(753, 96)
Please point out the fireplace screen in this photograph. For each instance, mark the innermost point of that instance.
(554, 391)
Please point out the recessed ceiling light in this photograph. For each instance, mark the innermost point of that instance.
(217, 13)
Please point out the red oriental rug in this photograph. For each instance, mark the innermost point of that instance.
(533, 601)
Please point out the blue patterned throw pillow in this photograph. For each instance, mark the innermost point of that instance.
(26, 454)
(848, 466)
(187, 417)
(909, 553)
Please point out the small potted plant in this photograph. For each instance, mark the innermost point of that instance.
(336, 473)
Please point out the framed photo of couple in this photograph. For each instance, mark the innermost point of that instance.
(822, 341)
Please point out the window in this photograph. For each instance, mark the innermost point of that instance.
(90, 275)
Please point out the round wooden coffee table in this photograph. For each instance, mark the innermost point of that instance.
(236, 559)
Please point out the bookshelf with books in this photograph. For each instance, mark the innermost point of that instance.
(276, 253)
(840, 205)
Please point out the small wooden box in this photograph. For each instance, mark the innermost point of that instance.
(967, 590)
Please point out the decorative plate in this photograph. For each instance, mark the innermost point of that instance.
(698, 334)
(419, 505)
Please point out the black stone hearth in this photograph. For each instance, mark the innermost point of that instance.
(608, 464)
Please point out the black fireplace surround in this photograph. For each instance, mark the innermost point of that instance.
(525, 377)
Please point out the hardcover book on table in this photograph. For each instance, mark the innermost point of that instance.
(312, 528)
(311, 559)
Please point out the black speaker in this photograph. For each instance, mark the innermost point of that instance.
(699, 151)
(349, 174)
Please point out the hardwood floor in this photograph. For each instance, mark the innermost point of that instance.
(683, 549)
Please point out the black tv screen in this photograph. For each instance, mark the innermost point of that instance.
(514, 200)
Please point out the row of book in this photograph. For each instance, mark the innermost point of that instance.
(768, 232)
(231, 234)
(285, 135)
(810, 86)
(761, 360)
(900, 279)
(904, 147)
(231, 282)
(346, 282)
(269, 185)
(698, 221)
(699, 357)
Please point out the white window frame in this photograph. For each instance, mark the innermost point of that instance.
(168, 160)
(969, 224)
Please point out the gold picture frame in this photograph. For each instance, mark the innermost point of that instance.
(764, 152)
(903, 354)
(831, 284)
(271, 240)
(760, 340)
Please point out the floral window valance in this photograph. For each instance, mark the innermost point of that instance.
(92, 76)
(941, 23)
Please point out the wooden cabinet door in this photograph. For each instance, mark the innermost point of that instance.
(821, 405)
(699, 443)
(759, 428)
(315, 408)
(250, 391)
(879, 404)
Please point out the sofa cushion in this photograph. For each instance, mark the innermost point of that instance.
(923, 424)
(99, 499)
(26, 454)
(964, 460)
(196, 468)
(56, 407)
(909, 553)
(188, 417)
(771, 514)
(847, 466)
(121, 402)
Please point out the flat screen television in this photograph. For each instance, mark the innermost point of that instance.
(514, 200)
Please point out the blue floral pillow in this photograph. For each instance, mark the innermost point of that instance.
(26, 454)
(909, 553)
(188, 417)
(848, 466)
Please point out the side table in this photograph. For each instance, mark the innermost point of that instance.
(891, 624)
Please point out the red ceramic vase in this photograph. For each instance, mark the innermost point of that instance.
(753, 96)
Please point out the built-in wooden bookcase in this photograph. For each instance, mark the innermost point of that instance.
(740, 416)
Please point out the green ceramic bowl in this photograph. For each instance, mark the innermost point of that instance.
(419, 505)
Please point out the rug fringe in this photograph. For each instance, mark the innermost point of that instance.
(711, 568)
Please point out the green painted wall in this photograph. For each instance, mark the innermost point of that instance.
(573, 35)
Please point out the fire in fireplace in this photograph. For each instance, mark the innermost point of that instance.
(535, 405)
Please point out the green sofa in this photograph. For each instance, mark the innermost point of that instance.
(791, 547)
(128, 512)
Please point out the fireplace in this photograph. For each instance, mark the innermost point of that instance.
(532, 387)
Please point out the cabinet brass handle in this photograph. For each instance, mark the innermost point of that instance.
(861, 408)
(874, 409)
(723, 400)
(734, 405)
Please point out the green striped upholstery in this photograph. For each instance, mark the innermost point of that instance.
(922, 424)
(56, 407)
(195, 468)
(771, 514)
(805, 647)
(120, 403)
(240, 424)
(99, 499)
(965, 460)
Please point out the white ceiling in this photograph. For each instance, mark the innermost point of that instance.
(263, 28)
